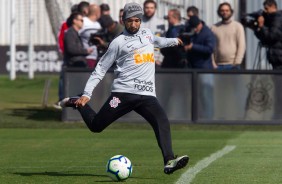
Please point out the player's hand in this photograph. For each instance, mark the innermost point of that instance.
(82, 101)
(89, 50)
(260, 21)
(158, 63)
(180, 42)
(188, 47)
(100, 40)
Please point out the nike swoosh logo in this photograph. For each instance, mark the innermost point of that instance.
(128, 46)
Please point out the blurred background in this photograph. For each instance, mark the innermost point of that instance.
(35, 24)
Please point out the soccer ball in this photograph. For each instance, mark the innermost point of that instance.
(119, 168)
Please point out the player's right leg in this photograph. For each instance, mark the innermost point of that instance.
(151, 110)
(117, 105)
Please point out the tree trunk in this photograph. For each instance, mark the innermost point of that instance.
(55, 16)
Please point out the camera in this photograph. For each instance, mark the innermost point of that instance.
(250, 19)
(186, 37)
(93, 38)
(101, 49)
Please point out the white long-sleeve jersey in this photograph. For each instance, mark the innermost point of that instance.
(133, 55)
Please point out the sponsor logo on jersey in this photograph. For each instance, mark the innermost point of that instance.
(114, 102)
(143, 58)
(142, 85)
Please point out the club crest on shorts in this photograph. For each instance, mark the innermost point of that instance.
(114, 102)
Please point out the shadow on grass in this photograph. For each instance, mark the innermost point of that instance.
(55, 174)
(38, 114)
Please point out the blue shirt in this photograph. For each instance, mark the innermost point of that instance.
(203, 46)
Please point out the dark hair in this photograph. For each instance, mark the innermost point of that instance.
(106, 21)
(193, 9)
(104, 7)
(270, 3)
(176, 13)
(81, 6)
(72, 17)
(224, 4)
(149, 1)
(74, 8)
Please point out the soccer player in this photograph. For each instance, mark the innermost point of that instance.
(134, 85)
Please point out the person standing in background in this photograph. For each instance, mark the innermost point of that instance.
(230, 40)
(200, 49)
(63, 28)
(74, 53)
(120, 16)
(105, 9)
(173, 55)
(91, 26)
(269, 32)
(192, 11)
(83, 8)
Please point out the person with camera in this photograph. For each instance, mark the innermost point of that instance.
(269, 32)
(228, 33)
(201, 45)
(102, 39)
(112, 28)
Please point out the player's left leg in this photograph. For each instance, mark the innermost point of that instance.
(117, 105)
(151, 110)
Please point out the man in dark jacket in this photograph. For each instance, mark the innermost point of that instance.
(74, 53)
(269, 32)
(202, 45)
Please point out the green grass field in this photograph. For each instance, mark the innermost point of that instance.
(36, 147)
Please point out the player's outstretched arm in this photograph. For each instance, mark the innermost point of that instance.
(101, 69)
(161, 42)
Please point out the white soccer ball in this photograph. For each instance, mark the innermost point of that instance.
(119, 168)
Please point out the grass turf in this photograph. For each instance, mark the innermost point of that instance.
(36, 147)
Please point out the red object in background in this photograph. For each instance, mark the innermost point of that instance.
(61, 36)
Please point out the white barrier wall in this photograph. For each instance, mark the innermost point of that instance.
(43, 32)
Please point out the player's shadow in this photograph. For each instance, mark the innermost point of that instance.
(39, 114)
(54, 174)
(58, 174)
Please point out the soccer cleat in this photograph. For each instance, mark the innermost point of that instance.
(57, 105)
(175, 164)
(69, 102)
